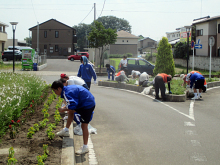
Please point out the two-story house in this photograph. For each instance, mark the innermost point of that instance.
(55, 38)
(206, 28)
(3, 36)
(145, 45)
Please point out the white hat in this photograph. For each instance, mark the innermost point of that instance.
(182, 76)
(187, 76)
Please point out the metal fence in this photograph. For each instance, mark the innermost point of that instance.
(41, 59)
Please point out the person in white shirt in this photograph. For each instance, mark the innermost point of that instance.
(143, 79)
(73, 80)
(123, 64)
(135, 74)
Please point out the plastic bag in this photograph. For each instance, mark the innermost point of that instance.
(78, 130)
(146, 90)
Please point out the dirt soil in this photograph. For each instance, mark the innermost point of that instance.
(27, 150)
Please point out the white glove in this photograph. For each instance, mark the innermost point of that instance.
(191, 90)
(95, 82)
(187, 86)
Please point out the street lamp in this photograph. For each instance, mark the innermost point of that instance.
(188, 31)
(13, 28)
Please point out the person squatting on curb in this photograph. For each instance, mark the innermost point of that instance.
(135, 74)
(110, 71)
(121, 77)
(198, 79)
(86, 71)
(143, 79)
(159, 83)
(78, 100)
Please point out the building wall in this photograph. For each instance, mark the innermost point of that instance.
(9, 42)
(203, 39)
(122, 49)
(64, 41)
(199, 62)
(218, 40)
(127, 41)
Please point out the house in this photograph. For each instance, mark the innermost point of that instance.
(3, 36)
(55, 38)
(125, 43)
(145, 45)
(173, 37)
(205, 28)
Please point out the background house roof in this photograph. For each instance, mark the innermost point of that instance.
(124, 34)
(51, 20)
(146, 38)
(206, 20)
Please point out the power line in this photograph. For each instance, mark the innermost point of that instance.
(87, 15)
(34, 10)
(102, 8)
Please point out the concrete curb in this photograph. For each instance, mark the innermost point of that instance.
(68, 151)
(41, 66)
(172, 98)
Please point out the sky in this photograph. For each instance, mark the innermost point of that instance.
(150, 18)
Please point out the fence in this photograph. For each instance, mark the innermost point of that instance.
(41, 59)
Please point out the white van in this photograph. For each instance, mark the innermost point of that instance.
(19, 47)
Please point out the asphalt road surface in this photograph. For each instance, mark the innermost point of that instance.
(136, 129)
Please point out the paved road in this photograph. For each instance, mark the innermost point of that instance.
(136, 129)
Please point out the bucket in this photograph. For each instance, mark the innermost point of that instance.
(35, 66)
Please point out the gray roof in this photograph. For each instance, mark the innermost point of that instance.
(206, 20)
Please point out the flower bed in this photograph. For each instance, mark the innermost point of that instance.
(43, 146)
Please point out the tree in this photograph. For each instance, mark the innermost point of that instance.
(115, 23)
(164, 59)
(28, 41)
(82, 31)
(180, 50)
(100, 37)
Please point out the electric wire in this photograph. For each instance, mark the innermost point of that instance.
(102, 8)
(34, 11)
(87, 15)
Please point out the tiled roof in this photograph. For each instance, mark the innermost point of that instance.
(124, 34)
(206, 19)
(1, 23)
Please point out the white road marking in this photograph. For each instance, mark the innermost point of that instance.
(190, 132)
(91, 154)
(213, 88)
(198, 157)
(195, 143)
(191, 124)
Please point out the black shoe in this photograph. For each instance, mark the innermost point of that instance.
(157, 98)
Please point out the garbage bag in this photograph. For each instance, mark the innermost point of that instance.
(78, 130)
(146, 90)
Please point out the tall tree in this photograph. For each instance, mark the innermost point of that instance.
(82, 31)
(164, 59)
(28, 41)
(115, 23)
(100, 37)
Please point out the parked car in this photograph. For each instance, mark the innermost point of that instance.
(8, 55)
(78, 56)
(139, 64)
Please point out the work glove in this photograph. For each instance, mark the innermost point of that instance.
(170, 92)
(95, 82)
(188, 86)
(191, 90)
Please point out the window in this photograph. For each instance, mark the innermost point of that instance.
(150, 44)
(122, 40)
(199, 32)
(56, 48)
(45, 34)
(218, 28)
(173, 35)
(132, 62)
(56, 34)
(127, 40)
(143, 63)
(45, 46)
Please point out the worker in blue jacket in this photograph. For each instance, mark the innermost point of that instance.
(79, 100)
(198, 80)
(86, 71)
(110, 70)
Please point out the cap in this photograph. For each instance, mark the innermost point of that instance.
(182, 76)
(187, 76)
(63, 75)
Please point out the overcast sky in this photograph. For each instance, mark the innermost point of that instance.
(150, 18)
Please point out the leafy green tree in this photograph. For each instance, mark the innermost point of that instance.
(82, 31)
(180, 50)
(100, 37)
(164, 58)
(115, 23)
(28, 41)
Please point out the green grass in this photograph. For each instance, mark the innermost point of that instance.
(10, 66)
(17, 91)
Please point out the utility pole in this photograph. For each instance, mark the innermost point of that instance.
(94, 11)
(37, 38)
